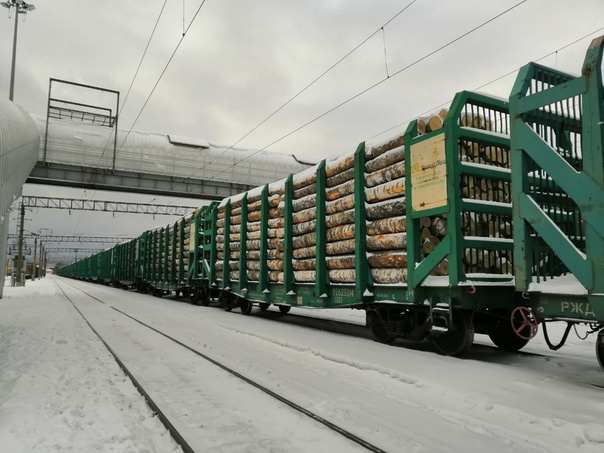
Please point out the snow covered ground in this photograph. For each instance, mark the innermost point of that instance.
(60, 390)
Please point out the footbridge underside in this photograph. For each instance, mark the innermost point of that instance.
(81, 155)
(77, 176)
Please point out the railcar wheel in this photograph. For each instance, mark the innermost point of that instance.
(245, 305)
(378, 329)
(284, 308)
(195, 297)
(225, 300)
(505, 338)
(458, 339)
(264, 306)
(600, 348)
(380, 334)
(205, 297)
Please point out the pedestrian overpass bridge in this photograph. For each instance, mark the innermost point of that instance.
(61, 152)
(83, 155)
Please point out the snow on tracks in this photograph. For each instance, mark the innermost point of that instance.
(60, 390)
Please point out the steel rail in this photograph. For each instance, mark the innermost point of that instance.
(154, 407)
(343, 432)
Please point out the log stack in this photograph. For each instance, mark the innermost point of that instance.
(385, 221)
(494, 226)
(220, 241)
(339, 220)
(385, 198)
(432, 122)
(168, 261)
(474, 224)
(304, 227)
(178, 246)
(186, 246)
(432, 231)
(158, 254)
(385, 212)
(233, 237)
(276, 234)
(482, 153)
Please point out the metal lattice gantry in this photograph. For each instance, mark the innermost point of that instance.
(72, 250)
(91, 239)
(77, 111)
(74, 204)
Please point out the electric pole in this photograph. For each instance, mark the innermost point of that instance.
(20, 281)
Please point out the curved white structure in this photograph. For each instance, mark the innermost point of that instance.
(19, 148)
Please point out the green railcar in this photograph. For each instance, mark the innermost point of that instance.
(165, 259)
(486, 218)
(123, 264)
(558, 187)
(345, 233)
(479, 275)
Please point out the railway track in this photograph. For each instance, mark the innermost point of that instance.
(167, 423)
(154, 407)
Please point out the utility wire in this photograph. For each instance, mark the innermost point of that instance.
(121, 108)
(489, 83)
(309, 85)
(157, 83)
(375, 85)
(160, 76)
(144, 54)
(289, 100)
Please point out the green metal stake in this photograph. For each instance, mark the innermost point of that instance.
(288, 266)
(363, 280)
(243, 246)
(226, 269)
(322, 277)
(264, 240)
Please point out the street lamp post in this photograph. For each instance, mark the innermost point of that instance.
(20, 8)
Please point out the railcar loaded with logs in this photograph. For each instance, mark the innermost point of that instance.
(485, 217)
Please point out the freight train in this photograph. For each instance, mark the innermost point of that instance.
(487, 217)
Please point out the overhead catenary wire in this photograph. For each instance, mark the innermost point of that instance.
(310, 84)
(509, 73)
(323, 74)
(144, 54)
(184, 33)
(446, 103)
(410, 65)
(121, 108)
(161, 75)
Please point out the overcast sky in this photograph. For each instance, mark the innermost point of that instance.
(241, 60)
